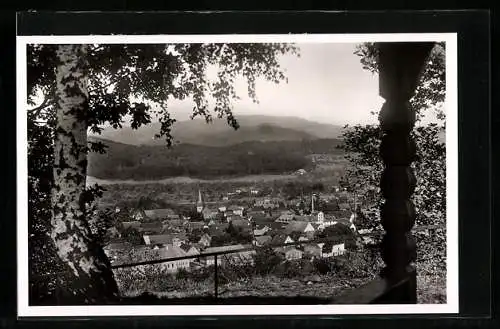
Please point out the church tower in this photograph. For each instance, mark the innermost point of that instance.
(199, 203)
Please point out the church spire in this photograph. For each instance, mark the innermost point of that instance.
(199, 203)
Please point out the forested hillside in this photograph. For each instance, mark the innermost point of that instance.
(123, 161)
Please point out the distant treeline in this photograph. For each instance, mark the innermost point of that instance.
(124, 161)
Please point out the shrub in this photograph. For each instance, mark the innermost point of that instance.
(322, 266)
(266, 260)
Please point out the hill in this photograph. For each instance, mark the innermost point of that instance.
(149, 162)
(218, 133)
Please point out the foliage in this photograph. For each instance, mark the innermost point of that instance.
(135, 82)
(431, 90)
(266, 260)
(338, 233)
(322, 265)
(232, 235)
(122, 161)
(132, 235)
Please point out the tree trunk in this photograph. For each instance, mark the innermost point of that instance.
(92, 280)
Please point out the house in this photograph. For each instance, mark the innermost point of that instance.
(173, 226)
(280, 239)
(265, 203)
(231, 218)
(345, 222)
(171, 251)
(261, 231)
(205, 240)
(276, 226)
(113, 232)
(133, 224)
(255, 212)
(160, 214)
(218, 229)
(190, 250)
(330, 249)
(286, 216)
(237, 210)
(209, 213)
(151, 227)
(196, 225)
(137, 214)
(313, 250)
(262, 240)
(164, 239)
(290, 253)
(228, 255)
(299, 226)
(241, 223)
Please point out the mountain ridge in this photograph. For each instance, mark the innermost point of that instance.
(219, 133)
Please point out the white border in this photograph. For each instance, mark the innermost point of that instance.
(24, 310)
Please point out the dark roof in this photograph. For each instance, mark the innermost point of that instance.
(164, 238)
(194, 225)
(276, 225)
(171, 252)
(296, 226)
(133, 224)
(241, 223)
(155, 227)
(118, 246)
(185, 247)
(264, 239)
(159, 213)
(279, 239)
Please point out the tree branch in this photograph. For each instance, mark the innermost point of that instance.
(45, 103)
(111, 82)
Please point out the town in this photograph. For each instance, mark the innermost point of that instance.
(241, 220)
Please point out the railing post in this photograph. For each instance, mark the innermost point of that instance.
(215, 277)
(400, 65)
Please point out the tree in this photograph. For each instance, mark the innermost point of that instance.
(84, 87)
(361, 143)
(132, 235)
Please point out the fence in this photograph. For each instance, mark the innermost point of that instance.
(39, 277)
(217, 255)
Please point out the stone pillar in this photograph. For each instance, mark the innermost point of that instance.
(400, 65)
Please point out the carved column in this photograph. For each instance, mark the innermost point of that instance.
(400, 65)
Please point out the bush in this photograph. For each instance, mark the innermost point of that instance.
(266, 260)
(182, 274)
(322, 266)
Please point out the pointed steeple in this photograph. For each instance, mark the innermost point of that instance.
(199, 204)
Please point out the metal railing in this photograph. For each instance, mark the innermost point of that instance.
(216, 255)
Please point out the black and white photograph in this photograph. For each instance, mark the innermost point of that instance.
(237, 174)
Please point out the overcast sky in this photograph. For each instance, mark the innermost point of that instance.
(326, 84)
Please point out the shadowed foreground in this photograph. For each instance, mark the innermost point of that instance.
(150, 299)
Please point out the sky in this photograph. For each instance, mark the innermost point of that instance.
(325, 84)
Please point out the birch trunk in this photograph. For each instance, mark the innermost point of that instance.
(93, 280)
